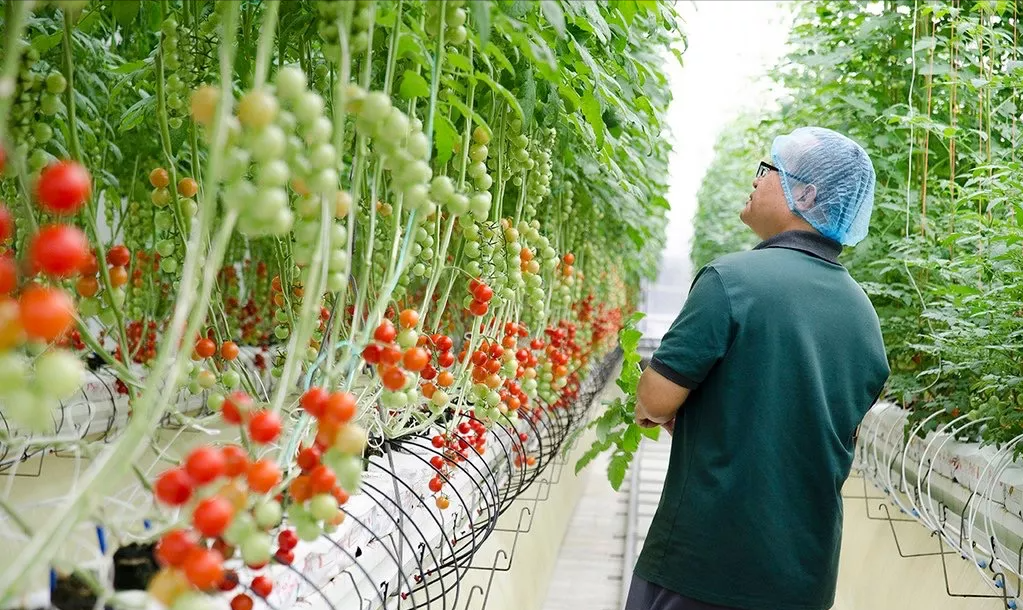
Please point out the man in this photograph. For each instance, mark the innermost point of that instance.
(762, 380)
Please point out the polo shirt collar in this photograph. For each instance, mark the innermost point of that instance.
(809, 242)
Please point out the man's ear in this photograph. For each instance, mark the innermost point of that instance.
(806, 200)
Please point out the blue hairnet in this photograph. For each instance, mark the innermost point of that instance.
(841, 173)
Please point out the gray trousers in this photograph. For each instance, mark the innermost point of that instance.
(644, 595)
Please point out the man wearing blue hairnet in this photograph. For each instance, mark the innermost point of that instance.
(762, 380)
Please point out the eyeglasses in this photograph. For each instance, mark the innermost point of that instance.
(764, 168)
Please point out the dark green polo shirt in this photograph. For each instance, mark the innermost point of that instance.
(783, 354)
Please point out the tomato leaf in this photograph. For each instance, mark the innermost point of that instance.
(134, 116)
(445, 135)
(466, 112)
(497, 87)
(413, 85)
(459, 61)
(616, 469)
(591, 111)
(126, 11)
(480, 11)
(555, 15)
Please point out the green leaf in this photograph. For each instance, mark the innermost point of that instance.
(651, 433)
(45, 42)
(445, 135)
(497, 87)
(616, 470)
(480, 12)
(555, 15)
(134, 116)
(413, 85)
(603, 427)
(466, 112)
(630, 441)
(591, 111)
(126, 12)
(129, 67)
(459, 61)
(498, 55)
(588, 456)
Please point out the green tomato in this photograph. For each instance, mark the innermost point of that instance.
(107, 316)
(168, 265)
(256, 548)
(281, 332)
(231, 379)
(215, 401)
(268, 514)
(59, 373)
(323, 507)
(307, 531)
(14, 371)
(242, 526)
(348, 469)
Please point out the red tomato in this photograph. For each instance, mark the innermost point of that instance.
(59, 250)
(446, 359)
(174, 546)
(6, 223)
(314, 401)
(263, 476)
(173, 487)
(437, 462)
(478, 308)
(63, 187)
(241, 602)
(46, 313)
(265, 427)
(205, 464)
(309, 458)
(436, 484)
(408, 318)
(262, 586)
(444, 343)
(415, 359)
(285, 557)
(212, 516)
(119, 256)
(91, 266)
(236, 461)
(483, 293)
(372, 353)
(8, 275)
(385, 333)
(236, 406)
(390, 355)
(287, 540)
(437, 441)
(393, 377)
(204, 568)
(428, 372)
(205, 347)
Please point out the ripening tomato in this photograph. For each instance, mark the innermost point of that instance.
(229, 350)
(322, 479)
(236, 461)
(188, 187)
(59, 250)
(241, 602)
(63, 187)
(300, 488)
(174, 547)
(443, 502)
(390, 355)
(393, 377)
(265, 427)
(445, 379)
(408, 318)
(118, 276)
(204, 568)
(8, 274)
(212, 516)
(415, 359)
(159, 178)
(6, 223)
(340, 407)
(173, 487)
(11, 331)
(205, 464)
(87, 286)
(46, 313)
(263, 476)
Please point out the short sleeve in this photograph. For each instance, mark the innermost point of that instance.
(699, 336)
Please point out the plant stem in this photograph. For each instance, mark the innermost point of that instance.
(266, 40)
(15, 18)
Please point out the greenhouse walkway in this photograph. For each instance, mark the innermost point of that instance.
(606, 533)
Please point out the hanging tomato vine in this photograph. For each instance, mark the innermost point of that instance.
(398, 211)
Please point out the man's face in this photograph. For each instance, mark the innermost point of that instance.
(766, 204)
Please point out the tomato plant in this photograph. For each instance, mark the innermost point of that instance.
(334, 225)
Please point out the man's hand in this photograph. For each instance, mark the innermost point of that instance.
(669, 427)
